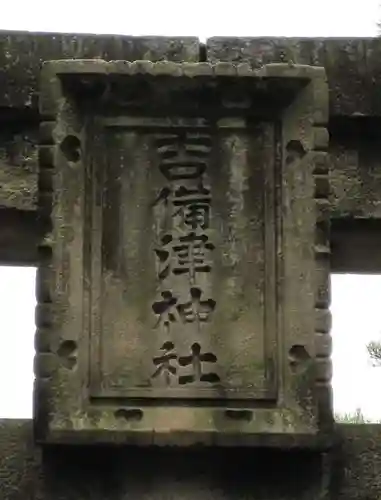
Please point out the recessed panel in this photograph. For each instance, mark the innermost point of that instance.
(183, 288)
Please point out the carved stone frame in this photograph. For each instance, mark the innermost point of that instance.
(302, 414)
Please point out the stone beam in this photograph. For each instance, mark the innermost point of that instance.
(354, 153)
(355, 246)
(353, 65)
(353, 70)
(22, 53)
(19, 237)
(18, 159)
(354, 158)
(206, 474)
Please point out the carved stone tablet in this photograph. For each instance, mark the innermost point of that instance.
(183, 288)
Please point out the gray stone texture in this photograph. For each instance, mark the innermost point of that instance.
(21, 56)
(352, 65)
(353, 470)
(232, 262)
(354, 159)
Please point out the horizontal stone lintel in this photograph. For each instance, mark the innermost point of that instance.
(60, 473)
(355, 243)
(184, 69)
(353, 66)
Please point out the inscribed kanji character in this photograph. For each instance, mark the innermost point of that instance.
(183, 155)
(194, 206)
(195, 360)
(166, 310)
(191, 204)
(164, 362)
(197, 310)
(163, 254)
(188, 252)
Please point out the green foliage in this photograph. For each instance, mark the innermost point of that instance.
(352, 418)
(374, 351)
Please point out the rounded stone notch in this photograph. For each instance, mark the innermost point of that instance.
(67, 352)
(129, 415)
(298, 356)
(295, 151)
(245, 415)
(71, 148)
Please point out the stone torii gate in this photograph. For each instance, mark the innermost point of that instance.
(185, 205)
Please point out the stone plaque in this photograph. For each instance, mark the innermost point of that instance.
(183, 286)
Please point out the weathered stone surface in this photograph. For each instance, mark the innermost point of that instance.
(98, 473)
(20, 461)
(352, 473)
(352, 80)
(356, 169)
(160, 190)
(356, 246)
(358, 463)
(19, 237)
(18, 168)
(354, 159)
(21, 56)
(153, 474)
(353, 65)
(18, 188)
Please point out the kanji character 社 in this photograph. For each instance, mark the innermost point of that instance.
(195, 359)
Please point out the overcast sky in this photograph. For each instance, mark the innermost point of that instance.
(356, 299)
(203, 18)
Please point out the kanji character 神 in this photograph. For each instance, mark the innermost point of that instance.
(197, 310)
(166, 310)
